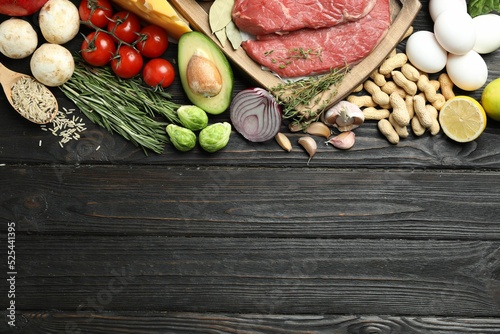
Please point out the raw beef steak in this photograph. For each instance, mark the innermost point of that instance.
(316, 51)
(259, 17)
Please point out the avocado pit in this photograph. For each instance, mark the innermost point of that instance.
(203, 77)
(205, 73)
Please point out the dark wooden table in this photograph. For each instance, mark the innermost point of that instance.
(378, 239)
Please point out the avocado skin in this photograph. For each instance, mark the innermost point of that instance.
(192, 42)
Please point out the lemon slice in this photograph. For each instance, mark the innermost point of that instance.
(462, 119)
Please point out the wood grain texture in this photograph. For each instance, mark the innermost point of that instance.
(259, 202)
(189, 323)
(214, 240)
(259, 275)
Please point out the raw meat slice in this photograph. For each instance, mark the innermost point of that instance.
(316, 51)
(259, 17)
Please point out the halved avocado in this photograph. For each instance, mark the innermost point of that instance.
(192, 45)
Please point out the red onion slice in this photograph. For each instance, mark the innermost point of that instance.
(255, 114)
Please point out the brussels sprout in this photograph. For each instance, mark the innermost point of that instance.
(215, 137)
(192, 117)
(183, 139)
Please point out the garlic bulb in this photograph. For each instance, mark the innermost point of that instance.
(344, 116)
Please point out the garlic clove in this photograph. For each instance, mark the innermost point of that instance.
(309, 144)
(295, 127)
(283, 141)
(329, 117)
(343, 141)
(318, 129)
(345, 126)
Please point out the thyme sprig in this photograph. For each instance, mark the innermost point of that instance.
(122, 106)
(293, 54)
(303, 101)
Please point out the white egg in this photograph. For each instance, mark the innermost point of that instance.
(436, 7)
(455, 31)
(487, 33)
(425, 53)
(468, 72)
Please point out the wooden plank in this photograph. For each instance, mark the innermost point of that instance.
(189, 323)
(257, 202)
(79, 273)
(21, 144)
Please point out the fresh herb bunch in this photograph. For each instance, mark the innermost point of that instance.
(304, 100)
(123, 106)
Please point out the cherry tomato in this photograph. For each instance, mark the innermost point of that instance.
(153, 41)
(158, 72)
(127, 63)
(125, 26)
(98, 48)
(98, 12)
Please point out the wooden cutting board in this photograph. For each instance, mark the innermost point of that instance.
(403, 13)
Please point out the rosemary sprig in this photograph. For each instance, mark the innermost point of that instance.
(125, 107)
(304, 100)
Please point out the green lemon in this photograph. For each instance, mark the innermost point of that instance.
(490, 99)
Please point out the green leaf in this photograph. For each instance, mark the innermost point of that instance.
(221, 36)
(480, 7)
(234, 35)
(219, 14)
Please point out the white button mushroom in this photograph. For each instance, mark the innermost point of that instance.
(59, 21)
(18, 39)
(52, 64)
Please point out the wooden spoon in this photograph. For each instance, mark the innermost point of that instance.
(45, 111)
